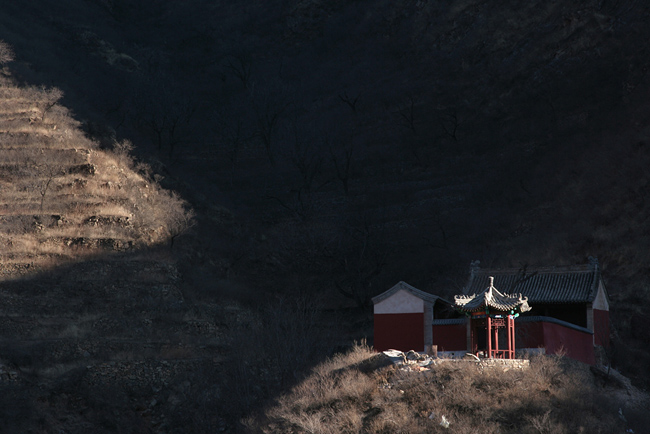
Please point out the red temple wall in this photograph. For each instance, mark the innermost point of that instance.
(576, 344)
(399, 331)
(601, 327)
(553, 337)
(450, 337)
(529, 335)
(405, 331)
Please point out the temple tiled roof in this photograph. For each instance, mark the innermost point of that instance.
(491, 297)
(577, 284)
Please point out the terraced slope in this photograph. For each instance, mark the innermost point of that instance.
(61, 197)
(88, 285)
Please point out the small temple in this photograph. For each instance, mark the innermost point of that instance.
(564, 309)
(491, 325)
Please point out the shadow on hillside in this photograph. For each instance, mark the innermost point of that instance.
(481, 136)
(115, 332)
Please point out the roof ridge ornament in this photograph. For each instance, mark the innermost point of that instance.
(491, 297)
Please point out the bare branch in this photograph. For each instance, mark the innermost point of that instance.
(351, 102)
(178, 217)
(241, 67)
(343, 164)
(450, 123)
(408, 114)
(6, 53)
(268, 115)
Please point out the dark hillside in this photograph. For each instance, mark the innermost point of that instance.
(336, 147)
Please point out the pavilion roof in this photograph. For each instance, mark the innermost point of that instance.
(492, 298)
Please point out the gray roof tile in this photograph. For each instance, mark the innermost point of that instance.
(541, 285)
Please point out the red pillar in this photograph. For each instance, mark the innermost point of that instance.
(496, 342)
(489, 335)
(512, 330)
(511, 343)
(509, 328)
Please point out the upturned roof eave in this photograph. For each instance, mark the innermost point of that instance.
(491, 298)
(502, 308)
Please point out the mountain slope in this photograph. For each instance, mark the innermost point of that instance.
(333, 148)
(91, 301)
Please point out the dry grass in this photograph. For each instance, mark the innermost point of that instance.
(54, 179)
(555, 395)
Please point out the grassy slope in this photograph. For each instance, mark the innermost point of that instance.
(63, 199)
(352, 393)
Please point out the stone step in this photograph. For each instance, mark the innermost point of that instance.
(60, 157)
(20, 224)
(25, 140)
(112, 244)
(53, 206)
(60, 205)
(16, 125)
(122, 221)
(10, 115)
(36, 223)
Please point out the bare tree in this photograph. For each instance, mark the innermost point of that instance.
(241, 67)
(286, 337)
(362, 261)
(122, 151)
(48, 167)
(178, 217)
(45, 99)
(165, 113)
(296, 204)
(291, 336)
(235, 136)
(268, 113)
(342, 162)
(407, 114)
(6, 53)
(350, 101)
(169, 124)
(450, 123)
(306, 158)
